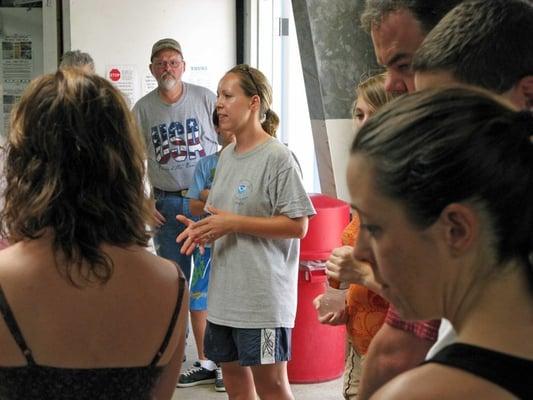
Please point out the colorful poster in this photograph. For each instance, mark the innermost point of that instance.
(16, 70)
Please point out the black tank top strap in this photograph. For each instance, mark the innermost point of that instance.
(13, 327)
(170, 330)
(493, 366)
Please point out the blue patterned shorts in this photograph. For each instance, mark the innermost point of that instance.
(248, 346)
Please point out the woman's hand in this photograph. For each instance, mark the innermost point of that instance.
(160, 220)
(188, 237)
(331, 318)
(217, 224)
(207, 230)
(343, 267)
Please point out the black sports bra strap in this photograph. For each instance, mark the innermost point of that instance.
(181, 289)
(11, 323)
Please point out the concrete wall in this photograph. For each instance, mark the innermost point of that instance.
(335, 53)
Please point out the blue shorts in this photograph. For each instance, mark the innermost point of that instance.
(200, 279)
(248, 346)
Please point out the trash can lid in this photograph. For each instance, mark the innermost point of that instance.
(313, 254)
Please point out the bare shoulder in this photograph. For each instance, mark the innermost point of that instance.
(434, 381)
(12, 257)
(6, 254)
(144, 260)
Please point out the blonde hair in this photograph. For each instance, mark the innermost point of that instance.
(254, 83)
(372, 91)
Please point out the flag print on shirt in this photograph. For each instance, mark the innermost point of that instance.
(175, 140)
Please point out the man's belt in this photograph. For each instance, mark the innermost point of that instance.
(180, 193)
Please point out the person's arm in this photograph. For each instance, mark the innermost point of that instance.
(391, 352)
(159, 218)
(276, 227)
(198, 190)
(343, 267)
(220, 223)
(166, 384)
(196, 207)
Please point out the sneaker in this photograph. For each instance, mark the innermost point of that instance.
(196, 364)
(219, 380)
(196, 376)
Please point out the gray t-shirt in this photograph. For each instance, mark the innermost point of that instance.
(177, 135)
(253, 281)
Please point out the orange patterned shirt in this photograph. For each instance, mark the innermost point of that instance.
(366, 310)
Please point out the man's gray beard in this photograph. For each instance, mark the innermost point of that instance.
(167, 84)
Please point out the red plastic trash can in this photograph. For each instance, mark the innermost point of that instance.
(318, 350)
(325, 228)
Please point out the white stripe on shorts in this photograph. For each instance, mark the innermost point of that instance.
(268, 346)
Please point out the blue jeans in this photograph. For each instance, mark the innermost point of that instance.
(170, 205)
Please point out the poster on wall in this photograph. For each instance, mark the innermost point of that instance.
(199, 75)
(148, 82)
(16, 70)
(124, 78)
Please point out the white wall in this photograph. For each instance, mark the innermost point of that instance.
(296, 118)
(121, 32)
(278, 57)
(50, 39)
(340, 136)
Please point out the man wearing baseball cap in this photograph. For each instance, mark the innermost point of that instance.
(175, 119)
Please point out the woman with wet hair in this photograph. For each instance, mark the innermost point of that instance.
(442, 182)
(87, 312)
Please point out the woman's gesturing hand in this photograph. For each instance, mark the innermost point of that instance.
(207, 230)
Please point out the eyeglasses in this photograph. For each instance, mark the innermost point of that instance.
(171, 63)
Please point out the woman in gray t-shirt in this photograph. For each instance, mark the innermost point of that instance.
(259, 209)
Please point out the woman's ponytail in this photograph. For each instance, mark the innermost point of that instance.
(270, 122)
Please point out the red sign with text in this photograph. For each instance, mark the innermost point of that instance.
(114, 74)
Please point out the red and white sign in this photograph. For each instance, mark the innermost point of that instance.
(114, 74)
(124, 78)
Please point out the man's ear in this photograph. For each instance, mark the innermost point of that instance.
(521, 95)
(150, 67)
(461, 227)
